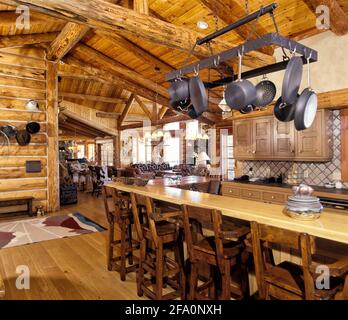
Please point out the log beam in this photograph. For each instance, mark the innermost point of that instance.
(27, 39)
(338, 18)
(126, 109)
(143, 107)
(71, 34)
(79, 96)
(111, 18)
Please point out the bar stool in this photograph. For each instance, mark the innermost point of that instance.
(226, 258)
(159, 239)
(290, 281)
(118, 212)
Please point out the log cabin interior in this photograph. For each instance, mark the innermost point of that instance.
(173, 149)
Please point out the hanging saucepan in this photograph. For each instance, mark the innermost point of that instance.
(32, 105)
(247, 109)
(23, 137)
(33, 127)
(192, 113)
(180, 105)
(306, 105)
(198, 94)
(9, 131)
(179, 90)
(265, 92)
(292, 80)
(240, 93)
(284, 112)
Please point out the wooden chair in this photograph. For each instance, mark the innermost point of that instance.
(118, 212)
(290, 281)
(219, 252)
(159, 238)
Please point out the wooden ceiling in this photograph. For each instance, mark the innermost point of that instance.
(111, 51)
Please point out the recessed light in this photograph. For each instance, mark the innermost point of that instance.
(201, 24)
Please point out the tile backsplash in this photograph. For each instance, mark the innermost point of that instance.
(318, 173)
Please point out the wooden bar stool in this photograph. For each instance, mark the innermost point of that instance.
(158, 239)
(119, 213)
(227, 257)
(290, 281)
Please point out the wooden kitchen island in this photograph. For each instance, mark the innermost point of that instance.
(332, 225)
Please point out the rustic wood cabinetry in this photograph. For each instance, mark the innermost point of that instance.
(266, 138)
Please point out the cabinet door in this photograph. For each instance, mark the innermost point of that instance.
(284, 140)
(309, 141)
(262, 137)
(242, 139)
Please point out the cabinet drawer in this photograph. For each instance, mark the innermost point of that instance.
(251, 194)
(273, 197)
(230, 192)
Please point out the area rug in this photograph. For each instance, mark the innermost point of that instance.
(18, 233)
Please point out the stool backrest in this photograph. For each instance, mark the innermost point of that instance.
(265, 237)
(136, 215)
(194, 219)
(113, 202)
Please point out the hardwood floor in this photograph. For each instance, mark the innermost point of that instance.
(69, 268)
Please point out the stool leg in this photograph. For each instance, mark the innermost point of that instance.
(140, 273)
(130, 255)
(226, 281)
(110, 251)
(180, 259)
(244, 275)
(159, 270)
(193, 281)
(212, 289)
(123, 252)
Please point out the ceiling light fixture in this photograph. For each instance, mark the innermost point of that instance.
(201, 24)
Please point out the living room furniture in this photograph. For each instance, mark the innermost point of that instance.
(24, 201)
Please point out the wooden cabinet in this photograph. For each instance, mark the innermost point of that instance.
(262, 137)
(284, 140)
(242, 138)
(267, 138)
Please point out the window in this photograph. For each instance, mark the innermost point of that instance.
(91, 152)
(171, 143)
(141, 149)
(227, 160)
(80, 151)
(107, 154)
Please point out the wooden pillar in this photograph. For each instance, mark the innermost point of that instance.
(117, 150)
(52, 150)
(141, 6)
(344, 144)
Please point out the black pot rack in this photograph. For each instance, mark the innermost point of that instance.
(268, 39)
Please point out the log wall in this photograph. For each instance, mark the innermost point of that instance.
(23, 77)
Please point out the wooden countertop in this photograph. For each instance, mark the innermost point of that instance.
(179, 182)
(318, 191)
(333, 224)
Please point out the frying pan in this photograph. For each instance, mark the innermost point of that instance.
(9, 131)
(192, 113)
(240, 93)
(247, 109)
(284, 112)
(292, 80)
(180, 105)
(198, 94)
(179, 90)
(265, 92)
(23, 137)
(306, 105)
(33, 127)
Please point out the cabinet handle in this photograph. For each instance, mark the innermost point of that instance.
(250, 193)
(254, 151)
(272, 197)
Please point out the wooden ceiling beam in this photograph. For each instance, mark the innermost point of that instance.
(101, 61)
(143, 107)
(338, 18)
(71, 34)
(27, 39)
(79, 96)
(226, 11)
(141, 6)
(162, 112)
(111, 18)
(126, 109)
(105, 75)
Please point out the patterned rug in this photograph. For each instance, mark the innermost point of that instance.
(18, 233)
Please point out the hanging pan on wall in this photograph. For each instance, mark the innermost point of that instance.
(240, 93)
(23, 137)
(33, 127)
(9, 131)
(284, 112)
(306, 105)
(198, 94)
(292, 79)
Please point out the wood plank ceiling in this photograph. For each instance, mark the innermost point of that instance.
(127, 66)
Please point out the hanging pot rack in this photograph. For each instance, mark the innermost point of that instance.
(308, 54)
